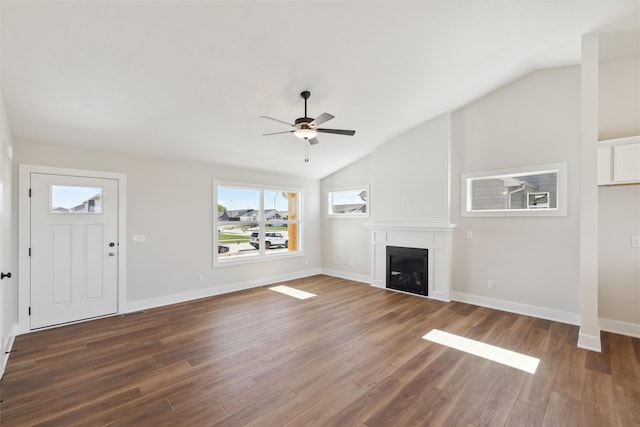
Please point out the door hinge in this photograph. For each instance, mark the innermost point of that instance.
(29, 192)
(29, 311)
(29, 251)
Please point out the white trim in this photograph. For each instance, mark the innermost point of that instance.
(24, 232)
(347, 276)
(561, 196)
(622, 328)
(619, 141)
(6, 349)
(149, 303)
(414, 226)
(519, 308)
(589, 342)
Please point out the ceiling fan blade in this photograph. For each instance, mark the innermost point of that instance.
(322, 118)
(277, 120)
(313, 141)
(338, 131)
(277, 133)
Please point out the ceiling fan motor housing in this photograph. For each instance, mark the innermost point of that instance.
(304, 122)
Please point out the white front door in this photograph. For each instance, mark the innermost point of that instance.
(74, 248)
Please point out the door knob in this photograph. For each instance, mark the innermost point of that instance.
(3, 275)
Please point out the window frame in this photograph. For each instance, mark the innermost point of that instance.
(328, 208)
(561, 186)
(262, 254)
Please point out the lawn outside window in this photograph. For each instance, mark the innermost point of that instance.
(255, 223)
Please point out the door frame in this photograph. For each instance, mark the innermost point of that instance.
(24, 234)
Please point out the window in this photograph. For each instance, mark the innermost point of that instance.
(350, 202)
(254, 223)
(67, 199)
(529, 191)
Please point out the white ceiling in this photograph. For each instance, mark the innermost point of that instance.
(189, 79)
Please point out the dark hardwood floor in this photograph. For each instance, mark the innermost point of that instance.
(351, 356)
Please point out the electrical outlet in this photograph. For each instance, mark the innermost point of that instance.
(635, 241)
(469, 235)
(491, 285)
(200, 277)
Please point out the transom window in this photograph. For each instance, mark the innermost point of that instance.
(252, 223)
(349, 202)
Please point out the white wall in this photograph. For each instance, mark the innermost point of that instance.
(619, 99)
(619, 207)
(413, 167)
(345, 241)
(170, 202)
(533, 261)
(619, 262)
(619, 84)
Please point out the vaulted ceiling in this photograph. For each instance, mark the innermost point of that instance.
(188, 80)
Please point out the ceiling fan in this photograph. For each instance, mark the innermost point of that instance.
(306, 128)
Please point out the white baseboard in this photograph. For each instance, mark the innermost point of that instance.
(622, 328)
(146, 304)
(519, 308)
(6, 349)
(347, 276)
(589, 342)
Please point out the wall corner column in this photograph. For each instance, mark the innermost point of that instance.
(589, 335)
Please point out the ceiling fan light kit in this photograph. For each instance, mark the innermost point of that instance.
(305, 133)
(306, 128)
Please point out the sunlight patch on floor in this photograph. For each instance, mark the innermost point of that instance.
(477, 348)
(292, 292)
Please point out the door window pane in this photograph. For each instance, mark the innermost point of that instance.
(72, 199)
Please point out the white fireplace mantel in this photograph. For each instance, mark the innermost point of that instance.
(436, 237)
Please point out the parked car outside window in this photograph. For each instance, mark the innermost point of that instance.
(271, 239)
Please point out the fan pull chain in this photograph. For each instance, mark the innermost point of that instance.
(306, 151)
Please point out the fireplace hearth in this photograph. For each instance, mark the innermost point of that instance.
(407, 269)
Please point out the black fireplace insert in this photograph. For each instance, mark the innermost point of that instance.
(407, 269)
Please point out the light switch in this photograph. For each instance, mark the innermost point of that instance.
(635, 241)
(469, 235)
(138, 238)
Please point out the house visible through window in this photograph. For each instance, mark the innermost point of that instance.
(67, 199)
(255, 222)
(528, 191)
(348, 202)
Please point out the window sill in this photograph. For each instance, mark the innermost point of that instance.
(243, 260)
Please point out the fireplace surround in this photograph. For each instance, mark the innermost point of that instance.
(437, 238)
